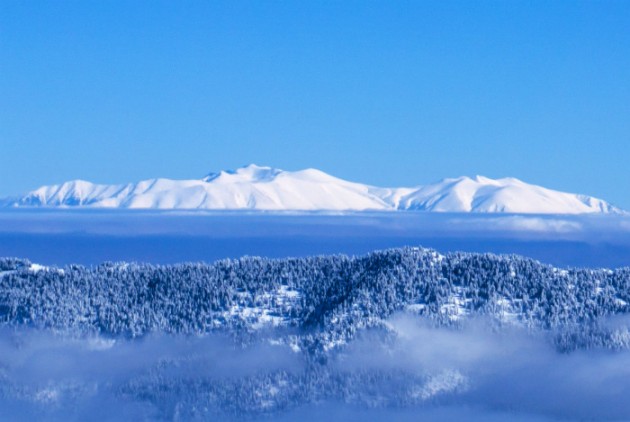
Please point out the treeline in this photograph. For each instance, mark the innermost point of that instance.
(332, 294)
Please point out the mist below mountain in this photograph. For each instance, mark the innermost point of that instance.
(92, 236)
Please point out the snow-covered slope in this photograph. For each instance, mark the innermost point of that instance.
(481, 194)
(265, 188)
(250, 187)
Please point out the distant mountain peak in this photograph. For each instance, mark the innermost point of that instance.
(251, 172)
(254, 187)
(483, 179)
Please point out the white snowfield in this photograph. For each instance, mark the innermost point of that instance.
(265, 188)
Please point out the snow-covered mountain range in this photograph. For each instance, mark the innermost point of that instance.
(265, 188)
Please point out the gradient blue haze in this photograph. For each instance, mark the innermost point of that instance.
(387, 93)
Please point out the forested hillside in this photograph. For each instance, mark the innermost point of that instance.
(326, 297)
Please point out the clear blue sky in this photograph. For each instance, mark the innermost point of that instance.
(387, 93)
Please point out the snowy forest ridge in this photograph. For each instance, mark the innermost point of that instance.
(326, 298)
(269, 189)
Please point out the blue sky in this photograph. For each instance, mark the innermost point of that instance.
(387, 93)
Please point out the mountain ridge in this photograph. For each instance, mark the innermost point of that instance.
(262, 188)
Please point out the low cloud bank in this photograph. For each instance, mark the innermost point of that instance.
(507, 371)
(410, 372)
(91, 237)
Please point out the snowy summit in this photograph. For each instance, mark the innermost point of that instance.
(266, 188)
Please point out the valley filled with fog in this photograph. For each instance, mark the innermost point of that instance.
(89, 237)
